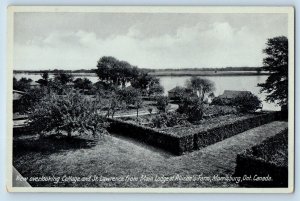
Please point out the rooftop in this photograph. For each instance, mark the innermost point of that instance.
(233, 94)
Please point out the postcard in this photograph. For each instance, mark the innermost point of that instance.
(150, 99)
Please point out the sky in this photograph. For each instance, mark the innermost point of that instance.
(162, 40)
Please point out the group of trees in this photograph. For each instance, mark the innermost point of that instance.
(54, 108)
(121, 74)
(22, 85)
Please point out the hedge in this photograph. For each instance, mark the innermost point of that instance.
(262, 160)
(226, 130)
(148, 135)
(174, 143)
(194, 141)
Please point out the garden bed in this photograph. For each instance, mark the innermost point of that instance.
(206, 124)
(270, 158)
(184, 139)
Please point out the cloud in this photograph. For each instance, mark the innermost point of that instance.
(217, 45)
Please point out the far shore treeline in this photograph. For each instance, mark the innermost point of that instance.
(170, 71)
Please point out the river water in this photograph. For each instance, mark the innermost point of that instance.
(247, 83)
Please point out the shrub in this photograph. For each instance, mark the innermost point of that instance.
(30, 98)
(71, 113)
(192, 107)
(219, 101)
(169, 120)
(85, 85)
(159, 121)
(150, 109)
(162, 103)
(22, 85)
(246, 103)
(218, 110)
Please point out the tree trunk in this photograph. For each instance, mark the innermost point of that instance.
(113, 114)
(69, 134)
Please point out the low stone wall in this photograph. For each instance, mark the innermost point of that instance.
(256, 162)
(193, 141)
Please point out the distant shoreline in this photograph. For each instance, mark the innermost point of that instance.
(180, 74)
(172, 73)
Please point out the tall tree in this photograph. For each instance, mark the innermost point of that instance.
(112, 71)
(276, 62)
(201, 86)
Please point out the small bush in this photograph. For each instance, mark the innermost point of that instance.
(169, 120)
(247, 103)
(162, 103)
(218, 110)
(192, 107)
(219, 101)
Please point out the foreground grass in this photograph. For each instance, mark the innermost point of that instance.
(114, 157)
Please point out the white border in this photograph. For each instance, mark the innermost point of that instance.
(152, 9)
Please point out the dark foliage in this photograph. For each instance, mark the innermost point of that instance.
(84, 85)
(62, 77)
(192, 107)
(201, 86)
(113, 71)
(22, 85)
(169, 119)
(276, 62)
(268, 158)
(71, 113)
(162, 103)
(45, 79)
(247, 102)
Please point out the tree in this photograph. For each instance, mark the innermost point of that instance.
(162, 103)
(83, 84)
(62, 77)
(22, 85)
(114, 103)
(247, 102)
(131, 96)
(200, 86)
(147, 83)
(111, 70)
(192, 107)
(70, 113)
(45, 79)
(31, 97)
(276, 63)
(182, 92)
(155, 89)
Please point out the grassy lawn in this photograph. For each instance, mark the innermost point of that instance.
(121, 157)
(112, 157)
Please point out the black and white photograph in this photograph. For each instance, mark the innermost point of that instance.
(150, 99)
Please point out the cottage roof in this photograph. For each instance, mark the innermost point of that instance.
(233, 94)
(174, 89)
